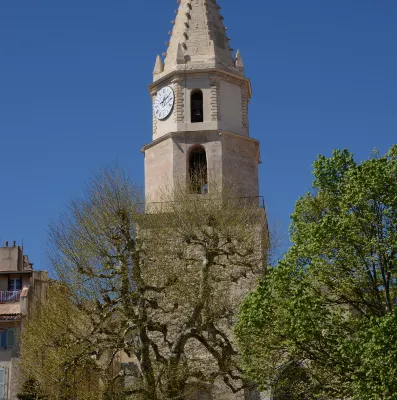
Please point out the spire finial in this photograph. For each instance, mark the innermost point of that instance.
(158, 66)
(239, 61)
(180, 57)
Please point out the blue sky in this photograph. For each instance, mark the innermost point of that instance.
(73, 94)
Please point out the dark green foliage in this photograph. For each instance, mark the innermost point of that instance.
(330, 304)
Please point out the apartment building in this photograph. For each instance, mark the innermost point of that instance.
(20, 287)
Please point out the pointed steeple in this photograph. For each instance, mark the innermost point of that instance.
(199, 39)
(158, 66)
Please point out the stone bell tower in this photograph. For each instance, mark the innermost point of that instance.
(200, 108)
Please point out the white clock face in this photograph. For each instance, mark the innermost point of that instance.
(164, 102)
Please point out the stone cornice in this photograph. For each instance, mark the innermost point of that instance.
(222, 132)
(158, 140)
(172, 134)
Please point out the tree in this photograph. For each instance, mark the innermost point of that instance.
(31, 390)
(329, 307)
(55, 352)
(160, 287)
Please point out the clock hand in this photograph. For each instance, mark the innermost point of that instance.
(167, 102)
(162, 103)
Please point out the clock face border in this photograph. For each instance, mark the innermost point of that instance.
(163, 112)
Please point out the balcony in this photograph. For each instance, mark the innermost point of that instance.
(10, 296)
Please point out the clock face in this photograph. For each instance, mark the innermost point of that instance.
(164, 102)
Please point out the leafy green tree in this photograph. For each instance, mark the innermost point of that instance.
(56, 351)
(329, 306)
(31, 390)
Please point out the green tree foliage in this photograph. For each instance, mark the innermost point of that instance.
(31, 390)
(56, 351)
(329, 307)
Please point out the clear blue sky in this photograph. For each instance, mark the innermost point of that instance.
(73, 94)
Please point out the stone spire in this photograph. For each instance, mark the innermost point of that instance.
(198, 39)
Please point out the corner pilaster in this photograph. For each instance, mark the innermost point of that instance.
(244, 106)
(179, 107)
(215, 98)
(153, 95)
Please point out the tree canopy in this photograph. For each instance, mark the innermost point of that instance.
(155, 284)
(327, 311)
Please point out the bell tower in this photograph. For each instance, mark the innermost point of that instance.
(200, 109)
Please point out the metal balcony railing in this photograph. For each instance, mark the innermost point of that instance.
(10, 296)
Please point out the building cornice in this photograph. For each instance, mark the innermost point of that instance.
(172, 134)
(222, 132)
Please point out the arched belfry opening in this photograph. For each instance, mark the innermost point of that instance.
(198, 171)
(196, 105)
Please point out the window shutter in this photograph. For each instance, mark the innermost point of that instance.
(11, 337)
(2, 383)
(3, 339)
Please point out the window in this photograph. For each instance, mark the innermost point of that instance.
(196, 105)
(2, 383)
(3, 339)
(198, 170)
(15, 284)
(10, 338)
(7, 338)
